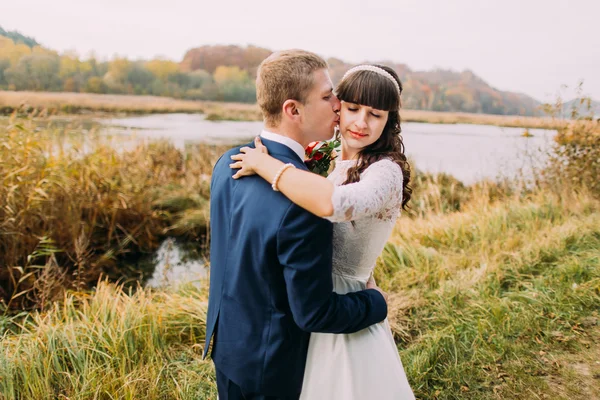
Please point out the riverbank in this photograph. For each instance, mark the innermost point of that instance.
(76, 204)
(494, 287)
(101, 104)
(479, 310)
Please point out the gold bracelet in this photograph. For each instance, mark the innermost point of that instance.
(278, 175)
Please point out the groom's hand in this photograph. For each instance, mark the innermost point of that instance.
(372, 285)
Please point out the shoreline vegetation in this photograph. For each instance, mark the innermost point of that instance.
(62, 103)
(494, 287)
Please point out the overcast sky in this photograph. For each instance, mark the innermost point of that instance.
(529, 46)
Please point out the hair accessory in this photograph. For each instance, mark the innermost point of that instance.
(375, 69)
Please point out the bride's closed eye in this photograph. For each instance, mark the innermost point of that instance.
(354, 109)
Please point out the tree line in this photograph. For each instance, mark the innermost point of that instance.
(35, 68)
(226, 73)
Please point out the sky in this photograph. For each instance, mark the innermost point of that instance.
(529, 46)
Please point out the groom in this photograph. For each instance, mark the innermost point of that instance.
(270, 260)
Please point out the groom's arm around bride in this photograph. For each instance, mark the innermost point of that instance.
(305, 251)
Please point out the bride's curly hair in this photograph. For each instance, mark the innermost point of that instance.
(373, 90)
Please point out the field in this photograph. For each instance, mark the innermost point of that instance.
(494, 288)
(74, 103)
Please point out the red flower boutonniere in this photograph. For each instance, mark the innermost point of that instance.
(320, 155)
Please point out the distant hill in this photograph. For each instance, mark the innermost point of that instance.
(208, 58)
(19, 38)
(436, 90)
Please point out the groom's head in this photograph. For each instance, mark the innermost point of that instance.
(295, 94)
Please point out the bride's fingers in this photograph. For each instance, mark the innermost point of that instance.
(260, 146)
(237, 165)
(237, 157)
(241, 173)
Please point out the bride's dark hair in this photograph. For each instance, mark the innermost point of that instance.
(374, 90)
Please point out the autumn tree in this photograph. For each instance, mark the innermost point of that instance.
(235, 84)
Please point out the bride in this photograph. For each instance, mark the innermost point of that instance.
(363, 196)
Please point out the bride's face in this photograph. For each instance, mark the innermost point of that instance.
(361, 126)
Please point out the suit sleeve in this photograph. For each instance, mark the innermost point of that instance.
(304, 247)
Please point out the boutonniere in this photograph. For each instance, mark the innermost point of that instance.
(319, 156)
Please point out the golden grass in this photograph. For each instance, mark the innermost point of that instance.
(111, 344)
(69, 103)
(489, 303)
(66, 103)
(494, 289)
(74, 202)
(435, 117)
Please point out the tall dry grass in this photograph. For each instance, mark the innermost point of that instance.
(484, 304)
(516, 121)
(493, 287)
(50, 103)
(73, 205)
(111, 344)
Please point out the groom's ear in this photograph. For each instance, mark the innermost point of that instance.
(291, 109)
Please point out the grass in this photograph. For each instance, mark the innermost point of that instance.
(74, 103)
(74, 203)
(494, 289)
(493, 302)
(111, 344)
(515, 121)
(487, 298)
(50, 103)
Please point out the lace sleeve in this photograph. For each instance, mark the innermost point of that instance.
(378, 194)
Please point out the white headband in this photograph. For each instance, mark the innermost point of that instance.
(375, 69)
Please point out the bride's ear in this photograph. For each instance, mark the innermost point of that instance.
(292, 110)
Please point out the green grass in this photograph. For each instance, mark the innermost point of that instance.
(494, 290)
(111, 344)
(479, 296)
(485, 304)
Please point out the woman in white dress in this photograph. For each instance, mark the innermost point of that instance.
(362, 197)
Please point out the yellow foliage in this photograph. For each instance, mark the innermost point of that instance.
(12, 51)
(41, 50)
(69, 66)
(230, 74)
(162, 69)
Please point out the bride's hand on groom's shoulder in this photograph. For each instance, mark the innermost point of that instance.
(248, 158)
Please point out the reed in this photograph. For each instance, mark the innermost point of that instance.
(494, 288)
(74, 203)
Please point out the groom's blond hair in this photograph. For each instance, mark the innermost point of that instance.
(285, 75)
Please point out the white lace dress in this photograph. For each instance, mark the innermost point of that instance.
(364, 365)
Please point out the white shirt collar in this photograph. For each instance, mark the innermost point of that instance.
(291, 143)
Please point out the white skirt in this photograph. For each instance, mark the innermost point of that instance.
(358, 366)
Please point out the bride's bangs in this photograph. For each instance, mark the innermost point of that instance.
(369, 89)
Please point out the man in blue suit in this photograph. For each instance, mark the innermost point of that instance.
(270, 260)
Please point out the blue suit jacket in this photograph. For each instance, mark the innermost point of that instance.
(271, 283)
